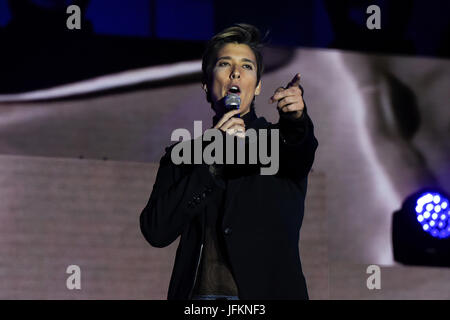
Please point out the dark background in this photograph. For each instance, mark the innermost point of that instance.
(38, 51)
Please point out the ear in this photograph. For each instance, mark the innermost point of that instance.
(258, 89)
(205, 88)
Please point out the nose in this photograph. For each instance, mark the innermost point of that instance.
(235, 74)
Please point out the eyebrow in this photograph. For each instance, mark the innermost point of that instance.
(243, 59)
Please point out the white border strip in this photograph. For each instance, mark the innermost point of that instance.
(125, 78)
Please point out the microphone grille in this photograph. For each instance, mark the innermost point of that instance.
(232, 101)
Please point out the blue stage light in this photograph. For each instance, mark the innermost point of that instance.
(421, 229)
(433, 203)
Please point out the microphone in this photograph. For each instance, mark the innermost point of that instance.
(233, 101)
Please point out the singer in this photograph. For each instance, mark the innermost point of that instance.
(239, 229)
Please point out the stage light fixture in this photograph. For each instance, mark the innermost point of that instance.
(421, 229)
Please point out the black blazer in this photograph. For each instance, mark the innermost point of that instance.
(261, 222)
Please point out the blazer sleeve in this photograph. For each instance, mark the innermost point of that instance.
(180, 192)
(297, 145)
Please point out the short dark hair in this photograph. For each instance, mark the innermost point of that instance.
(240, 33)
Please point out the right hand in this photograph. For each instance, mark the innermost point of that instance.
(232, 125)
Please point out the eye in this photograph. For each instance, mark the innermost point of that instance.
(247, 66)
(221, 64)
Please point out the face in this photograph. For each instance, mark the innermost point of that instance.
(235, 66)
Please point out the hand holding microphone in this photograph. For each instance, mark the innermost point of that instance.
(231, 122)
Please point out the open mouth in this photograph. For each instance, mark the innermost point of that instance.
(234, 90)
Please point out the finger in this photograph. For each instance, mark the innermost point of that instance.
(231, 122)
(235, 130)
(271, 99)
(238, 121)
(232, 113)
(226, 126)
(240, 134)
(227, 116)
(295, 81)
(292, 107)
(287, 100)
(293, 91)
